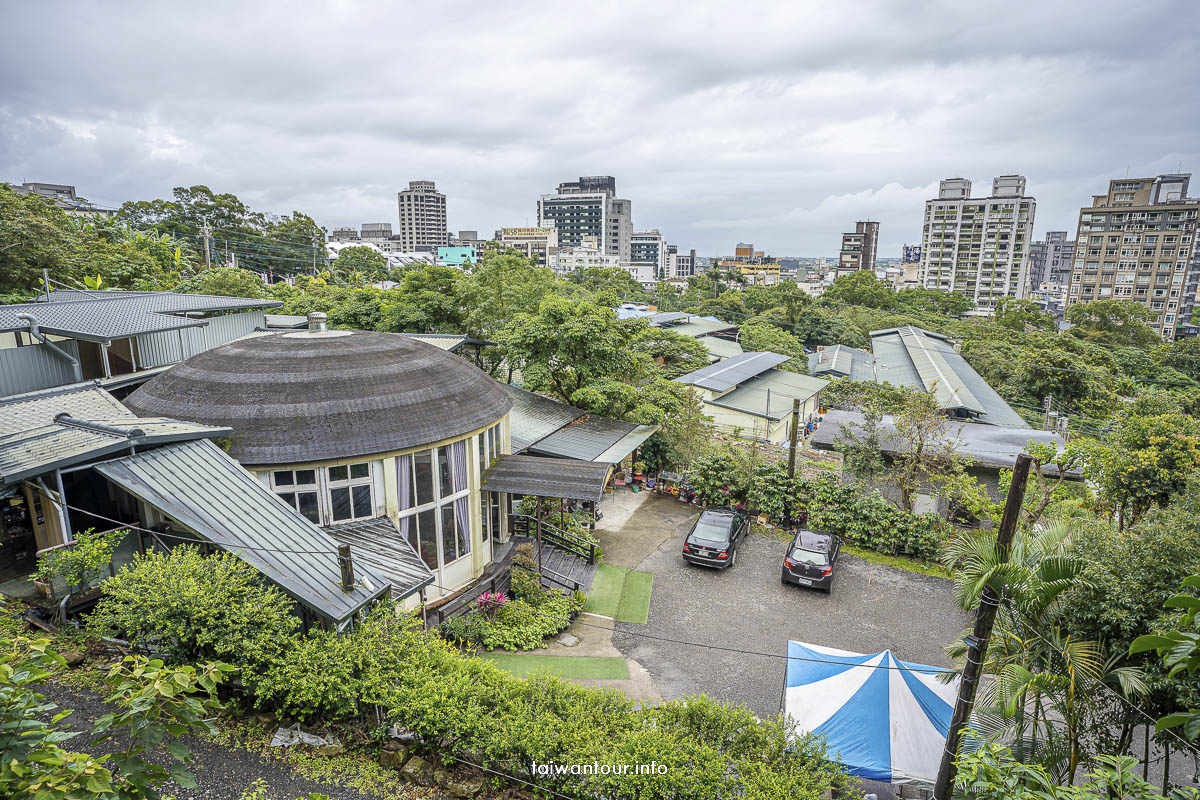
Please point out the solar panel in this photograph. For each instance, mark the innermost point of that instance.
(668, 316)
(727, 374)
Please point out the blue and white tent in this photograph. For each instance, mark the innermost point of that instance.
(882, 718)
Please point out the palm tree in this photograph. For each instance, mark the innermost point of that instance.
(1039, 697)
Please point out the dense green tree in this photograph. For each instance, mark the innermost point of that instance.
(1113, 322)
(359, 259)
(860, 288)
(673, 354)
(1021, 315)
(1184, 356)
(567, 345)
(226, 281)
(759, 336)
(427, 301)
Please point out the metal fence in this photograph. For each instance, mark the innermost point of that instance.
(27, 369)
(170, 347)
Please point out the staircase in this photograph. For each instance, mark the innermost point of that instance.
(562, 569)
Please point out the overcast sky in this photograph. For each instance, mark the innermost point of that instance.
(773, 123)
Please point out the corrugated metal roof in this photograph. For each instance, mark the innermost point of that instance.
(585, 438)
(205, 490)
(697, 327)
(910, 356)
(101, 316)
(67, 443)
(616, 453)
(723, 376)
(22, 412)
(377, 544)
(667, 316)
(986, 445)
(771, 394)
(534, 417)
(548, 477)
(842, 361)
(720, 348)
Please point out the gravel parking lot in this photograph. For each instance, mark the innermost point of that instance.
(745, 607)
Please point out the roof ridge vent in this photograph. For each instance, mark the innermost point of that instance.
(317, 321)
(65, 418)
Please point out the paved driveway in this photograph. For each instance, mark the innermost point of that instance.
(746, 607)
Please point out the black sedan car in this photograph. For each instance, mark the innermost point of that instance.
(811, 559)
(713, 540)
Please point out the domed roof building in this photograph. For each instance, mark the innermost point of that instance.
(351, 427)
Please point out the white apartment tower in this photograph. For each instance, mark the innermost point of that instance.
(978, 246)
(422, 218)
(589, 207)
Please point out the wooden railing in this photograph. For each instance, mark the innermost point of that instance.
(563, 540)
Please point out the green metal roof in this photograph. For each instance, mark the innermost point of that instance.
(770, 394)
(720, 348)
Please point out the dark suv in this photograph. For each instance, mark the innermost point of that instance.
(811, 559)
(713, 540)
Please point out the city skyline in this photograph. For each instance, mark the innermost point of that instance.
(782, 133)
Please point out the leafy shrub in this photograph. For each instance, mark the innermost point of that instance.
(464, 631)
(80, 564)
(527, 586)
(521, 625)
(189, 608)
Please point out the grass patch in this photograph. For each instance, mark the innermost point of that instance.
(605, 595)
(635, 598)
(593, 667)
(620, 593)
(898, 562)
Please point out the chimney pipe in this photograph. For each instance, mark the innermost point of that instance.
(316, 321)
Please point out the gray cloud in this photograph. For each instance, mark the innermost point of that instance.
(777, 123)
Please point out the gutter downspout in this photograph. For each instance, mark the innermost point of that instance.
(36, 332)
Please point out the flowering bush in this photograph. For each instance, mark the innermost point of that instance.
(490, 603)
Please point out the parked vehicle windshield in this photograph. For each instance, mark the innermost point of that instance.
(707, 531)
(810, 557)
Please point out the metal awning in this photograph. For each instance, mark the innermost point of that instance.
(548, 477)
(377, 544)
(202, 488)
(593, 438)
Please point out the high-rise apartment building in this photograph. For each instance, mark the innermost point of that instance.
(978, 246)
(1050, 262)
(649, 249)
(1138, 242)
(589, 207)
(344, 234)
(858, 247)
(533, 242)
(422, 218)
(375, 232)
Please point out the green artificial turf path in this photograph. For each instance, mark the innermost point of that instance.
(620, 593)
(593, 667)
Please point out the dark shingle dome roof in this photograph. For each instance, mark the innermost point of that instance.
(302, 396)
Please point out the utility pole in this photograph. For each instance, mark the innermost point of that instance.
(1046, 413)
(977, 643)
(316, 244)
(206, 232)
(792, 442)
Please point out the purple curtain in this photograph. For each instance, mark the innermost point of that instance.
(404, 481)
(462, 514)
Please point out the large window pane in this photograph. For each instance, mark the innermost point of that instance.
(495, 509)
(423, 473)
(283, 477)
(306, 477)
(427, 531)
(447, 487)
(449, 536)
(289, 498)
(339, 501)
(361, 500)
(484, 513)
(307, 505)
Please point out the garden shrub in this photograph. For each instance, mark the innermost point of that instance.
(191, 608)
(521, 625)
(527, 586)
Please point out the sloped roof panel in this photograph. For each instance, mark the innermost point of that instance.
(548, 477)
(377, 544)
(21, 412)
(725, 375)
(770, 395)
(202, 488)
(534, 417)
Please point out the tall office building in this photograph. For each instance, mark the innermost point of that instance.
(858, 247)
(422, 218)
(978, 246)
(1050, 261)
(1138, 242)
(589, 207)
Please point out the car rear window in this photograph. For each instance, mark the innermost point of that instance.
(810, 557)
(707, 531)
